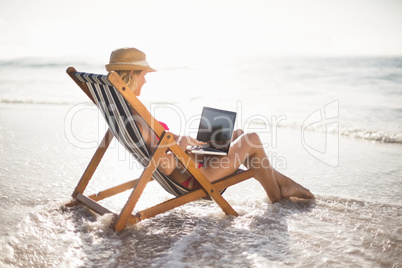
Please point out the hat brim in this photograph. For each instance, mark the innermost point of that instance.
(128, 67)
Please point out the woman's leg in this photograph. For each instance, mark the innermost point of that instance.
(248, 150)
(290, 188)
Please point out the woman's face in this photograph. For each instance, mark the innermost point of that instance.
(140, 81)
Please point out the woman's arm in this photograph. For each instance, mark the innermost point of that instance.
(167, 164)
(168, 161)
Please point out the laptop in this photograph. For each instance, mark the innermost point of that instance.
(216, 129)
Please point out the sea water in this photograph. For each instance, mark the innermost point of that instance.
(332, 124)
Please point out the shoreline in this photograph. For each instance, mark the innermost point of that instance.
(38, 131)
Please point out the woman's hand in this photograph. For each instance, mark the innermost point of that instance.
(185, 141)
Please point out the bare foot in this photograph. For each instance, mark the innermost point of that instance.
(296, 190)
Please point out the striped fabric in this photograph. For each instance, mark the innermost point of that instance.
(116, 112)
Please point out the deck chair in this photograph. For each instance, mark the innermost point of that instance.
(111, 95)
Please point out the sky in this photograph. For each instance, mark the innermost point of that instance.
(185, 30)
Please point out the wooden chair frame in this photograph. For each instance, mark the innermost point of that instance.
(125, 217)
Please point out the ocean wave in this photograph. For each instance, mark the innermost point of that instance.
(365, 134)
(276, 234)
(373, 135)
(36, 102)
(360, 133)
(63, 62)
(37, 63)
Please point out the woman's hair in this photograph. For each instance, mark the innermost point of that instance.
(128, 78)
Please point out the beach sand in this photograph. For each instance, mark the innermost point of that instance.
(44, 150)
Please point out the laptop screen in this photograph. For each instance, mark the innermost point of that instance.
(216, 127)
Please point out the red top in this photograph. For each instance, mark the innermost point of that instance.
(164, 125)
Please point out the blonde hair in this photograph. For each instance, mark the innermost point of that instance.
(128, 78)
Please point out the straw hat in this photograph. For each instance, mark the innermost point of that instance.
(124, 59)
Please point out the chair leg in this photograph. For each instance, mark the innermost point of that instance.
(114, 190)
(184, 199)
(93, 164)
(146, 176)
(205, 183)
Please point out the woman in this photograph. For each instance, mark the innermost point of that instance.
(246, 148)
